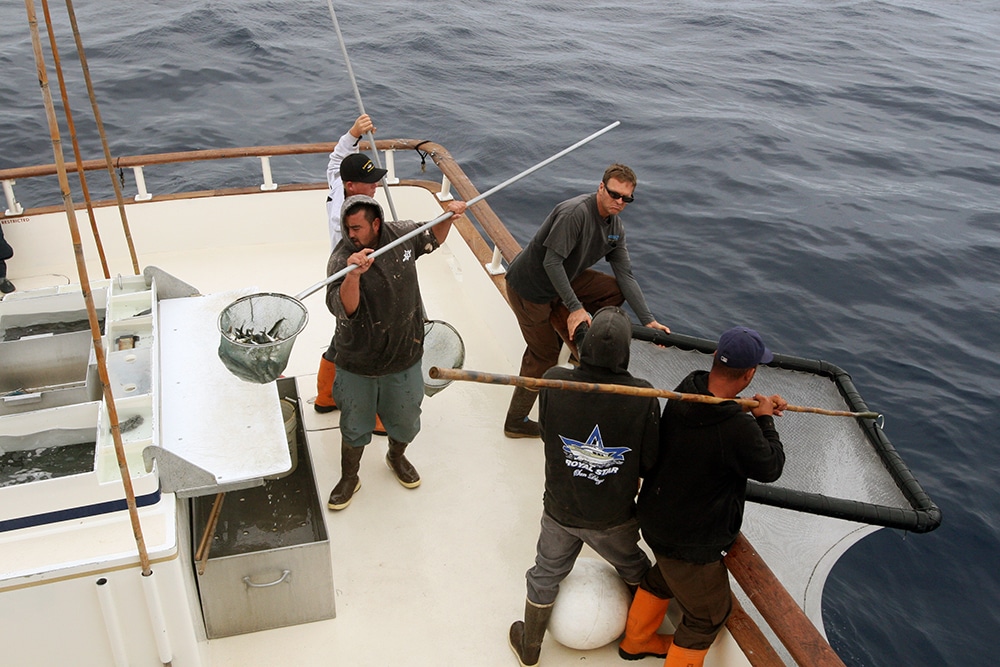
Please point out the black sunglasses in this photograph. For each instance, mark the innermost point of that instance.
(628, 199)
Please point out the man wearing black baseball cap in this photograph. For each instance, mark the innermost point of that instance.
(691, 507)
(348, 173)
(359, 168)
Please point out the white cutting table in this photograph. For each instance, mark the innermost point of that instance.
(217, 432)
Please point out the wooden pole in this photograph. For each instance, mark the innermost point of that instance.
(72, 135)
(81, 265)
(606, 388)
(126, 230)
(205, 546)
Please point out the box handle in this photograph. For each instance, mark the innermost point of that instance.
(250, 584)
(33, 397)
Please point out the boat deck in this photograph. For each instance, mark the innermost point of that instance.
(433, 575)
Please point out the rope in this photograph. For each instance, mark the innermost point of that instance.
(423, 155)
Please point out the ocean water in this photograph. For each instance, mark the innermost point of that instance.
(824, 171)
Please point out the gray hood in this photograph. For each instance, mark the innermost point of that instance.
(608, 342)
(348, 203)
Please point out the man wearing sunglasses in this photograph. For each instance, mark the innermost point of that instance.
(552, 289)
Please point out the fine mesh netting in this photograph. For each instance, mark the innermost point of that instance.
(257, 333)
(443, 348)
(835, 466)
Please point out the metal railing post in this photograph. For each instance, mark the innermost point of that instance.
(445, 194)
(390, 166)
(13, 208)
(265, 166)
(140, 185)
(495, 266)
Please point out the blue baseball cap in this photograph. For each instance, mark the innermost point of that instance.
(740, 347)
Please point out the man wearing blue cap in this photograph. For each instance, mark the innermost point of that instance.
(691, 507)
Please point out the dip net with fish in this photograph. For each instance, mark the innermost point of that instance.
(257, 334)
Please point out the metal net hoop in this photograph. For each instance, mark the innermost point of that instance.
(256, 335)
(443, 347)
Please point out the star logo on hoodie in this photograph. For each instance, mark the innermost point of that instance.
(593, 452)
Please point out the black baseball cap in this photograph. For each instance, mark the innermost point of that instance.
(359, 168)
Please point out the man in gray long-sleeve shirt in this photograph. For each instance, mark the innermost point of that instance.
(552, 289)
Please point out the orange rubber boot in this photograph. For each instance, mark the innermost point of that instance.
(324, 392)
(645, 617)
(678, 656)
(324, 386)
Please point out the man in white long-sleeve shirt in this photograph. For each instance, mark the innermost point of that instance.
(349, 172)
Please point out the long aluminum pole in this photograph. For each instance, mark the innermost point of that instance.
(361, 106)
(444, 216)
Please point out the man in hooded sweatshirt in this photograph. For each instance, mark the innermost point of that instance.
(379, 337)
(691, 505)
(349, 172)
(597, 447)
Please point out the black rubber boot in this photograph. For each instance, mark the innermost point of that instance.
(526, 636)
(404, 471)
(350, 463)
(517, 424)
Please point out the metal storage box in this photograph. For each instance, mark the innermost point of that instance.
(47, 369)
(269, 564)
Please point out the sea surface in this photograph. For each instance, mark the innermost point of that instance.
(826, 171)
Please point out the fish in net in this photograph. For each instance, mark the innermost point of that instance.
(257, 333)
